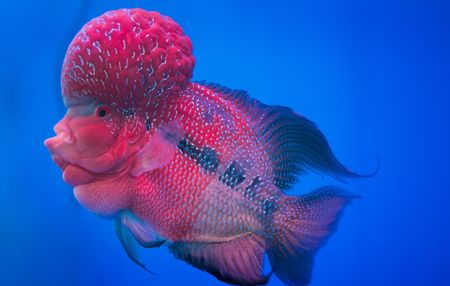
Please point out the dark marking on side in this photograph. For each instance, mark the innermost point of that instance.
(254, 183)
(148, 124)
(249, 191)
(233, 176)
(206, 158)
(189, 149)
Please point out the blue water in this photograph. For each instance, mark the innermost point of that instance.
(374, 75)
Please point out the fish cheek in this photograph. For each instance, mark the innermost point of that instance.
(105, 197)
(93, 137)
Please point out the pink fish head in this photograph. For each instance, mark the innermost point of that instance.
(117, 69)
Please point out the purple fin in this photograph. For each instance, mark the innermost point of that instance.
(238, 261)
(301, 226)
(129, 228)
(293, 142)
(144, 233)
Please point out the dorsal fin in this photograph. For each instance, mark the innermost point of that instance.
(293, 142)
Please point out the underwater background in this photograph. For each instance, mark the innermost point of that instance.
(374, 76)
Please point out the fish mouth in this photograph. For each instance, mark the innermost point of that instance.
(77, 168)
(73, 174)
(64, 153)
(76, 175)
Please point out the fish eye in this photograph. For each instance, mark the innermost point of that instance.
(102, 111)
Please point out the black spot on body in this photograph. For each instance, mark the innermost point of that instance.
(233, 176)
(253, 184)
(251, 189)
(189, 149)
(148, 124)
(206, 158)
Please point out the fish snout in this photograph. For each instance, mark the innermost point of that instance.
(61, 145)
(64, 135)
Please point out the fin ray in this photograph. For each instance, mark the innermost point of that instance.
(301, 226)
(129, 230)
(145, 234)
(238, 261)
(129, 245)
(293, 142)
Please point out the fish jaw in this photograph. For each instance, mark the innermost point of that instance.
(104, 193)
(60, 148)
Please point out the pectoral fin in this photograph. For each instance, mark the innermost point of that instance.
(159, 150)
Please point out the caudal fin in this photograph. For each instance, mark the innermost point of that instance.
(301, 225)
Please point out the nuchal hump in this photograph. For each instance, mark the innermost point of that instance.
(127, 58)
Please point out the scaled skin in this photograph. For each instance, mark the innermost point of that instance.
(102, 160)
(199, 166)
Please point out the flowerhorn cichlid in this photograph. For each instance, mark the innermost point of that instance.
(194, 166)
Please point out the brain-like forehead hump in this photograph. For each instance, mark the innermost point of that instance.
(127, 57)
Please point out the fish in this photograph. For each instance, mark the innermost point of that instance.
(196, 167)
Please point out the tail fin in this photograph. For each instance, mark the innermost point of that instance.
(300, 227)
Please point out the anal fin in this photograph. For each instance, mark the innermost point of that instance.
(237, 261)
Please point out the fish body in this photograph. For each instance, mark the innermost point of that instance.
(206, 190)
(196, 166)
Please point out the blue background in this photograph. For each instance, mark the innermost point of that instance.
(374, 75)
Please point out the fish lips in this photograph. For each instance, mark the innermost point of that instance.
(73, 174)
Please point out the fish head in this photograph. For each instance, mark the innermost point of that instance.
(94, 146)
(118, 70)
